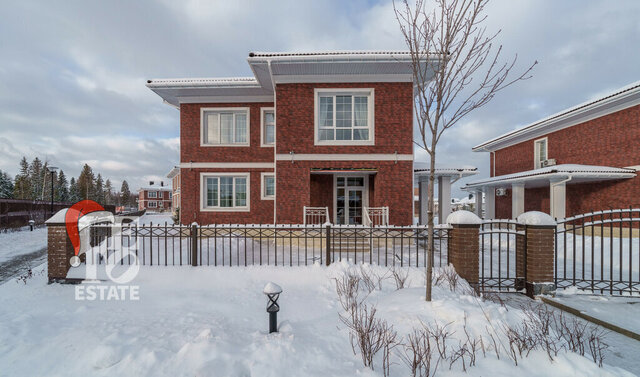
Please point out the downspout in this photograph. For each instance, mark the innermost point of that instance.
(275, 141)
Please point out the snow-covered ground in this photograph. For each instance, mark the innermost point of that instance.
(212, 321)
(21, 242)
(620, 311)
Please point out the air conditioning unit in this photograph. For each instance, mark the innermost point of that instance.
(548, 162)
(501, 192)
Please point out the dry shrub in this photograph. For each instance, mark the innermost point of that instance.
(400, 277)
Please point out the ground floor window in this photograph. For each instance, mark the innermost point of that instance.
(225, 191)
(268, 186)
(153, 204)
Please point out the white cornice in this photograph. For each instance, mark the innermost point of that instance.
(226, 165)
(344, 157)
(619, 100)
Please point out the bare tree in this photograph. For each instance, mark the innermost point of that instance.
(455, 71)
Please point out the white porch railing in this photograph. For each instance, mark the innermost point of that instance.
(316, 215)
(373, 216)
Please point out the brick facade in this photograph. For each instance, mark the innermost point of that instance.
(163, 199)
(605, 141)
(296, 186)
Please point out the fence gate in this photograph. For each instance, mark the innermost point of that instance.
(599, 252)
(502, 251)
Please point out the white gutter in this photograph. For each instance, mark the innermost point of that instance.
(275, 124)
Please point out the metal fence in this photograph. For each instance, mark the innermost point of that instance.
(599, 252)
(499, 254)
(277, 245)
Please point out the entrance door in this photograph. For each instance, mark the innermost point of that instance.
(350, 198)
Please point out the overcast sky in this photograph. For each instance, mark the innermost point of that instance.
(72, 73)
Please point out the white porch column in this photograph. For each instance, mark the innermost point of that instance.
(444, 198)
(517, 199)
(490, 205)
(558, 198)
(422, 200)
(479, 203)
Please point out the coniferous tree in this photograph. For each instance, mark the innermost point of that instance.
(74, 191)
(108, 192)
(86, 187)
(37, 172)
(22, 186)
(62, 189)
(6, 185)
(125, 194)
(99, 189)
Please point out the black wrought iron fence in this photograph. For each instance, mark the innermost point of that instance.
(599, 252)
(499, 255)
(278, 245)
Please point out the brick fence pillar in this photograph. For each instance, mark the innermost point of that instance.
(464, 244)
(539, 241)
(59, 247)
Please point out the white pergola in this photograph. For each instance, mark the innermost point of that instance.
(445, 178)
(555, 177)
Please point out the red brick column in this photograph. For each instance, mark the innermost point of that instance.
(539, 252)
(464, 249)
(464, 245)
(59, 248)
(521, 244)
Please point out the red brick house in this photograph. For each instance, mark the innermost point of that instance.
(328, 130)
(174, 176)
(154, 198)
(581, 159)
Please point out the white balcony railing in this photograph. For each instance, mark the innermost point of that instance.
(375, 216)
(316, 215)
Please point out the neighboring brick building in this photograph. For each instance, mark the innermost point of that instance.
(174, 175)
(343, 139)
(580, 160)
(154, 198)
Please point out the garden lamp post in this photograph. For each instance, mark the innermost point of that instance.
(52, 169)
(272, 290)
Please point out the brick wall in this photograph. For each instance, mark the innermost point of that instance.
(464, 251)
(605, 141)
(392, 188)
(59, 251)
(163, 202)
(261, 210)
(393, 113)
(190, 149)
(540, 254)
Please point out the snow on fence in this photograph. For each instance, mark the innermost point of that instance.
(278, 245)
(600, 251)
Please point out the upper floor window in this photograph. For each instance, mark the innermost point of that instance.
(268, 128)
(153, 194)
(344, 116)
(540, 152)
(225, 126)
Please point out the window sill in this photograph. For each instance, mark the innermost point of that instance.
(231, 209)
(345, 142)
(225, 145)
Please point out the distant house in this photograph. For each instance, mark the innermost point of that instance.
(581, 159)
(154, 198)
(324, 136)
(174, 175)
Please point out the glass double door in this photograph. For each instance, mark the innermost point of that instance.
(350, 198)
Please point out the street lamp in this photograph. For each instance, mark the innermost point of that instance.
(272, 290)
(52, 169)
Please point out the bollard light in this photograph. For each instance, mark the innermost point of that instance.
(272, 290)
(31, 223)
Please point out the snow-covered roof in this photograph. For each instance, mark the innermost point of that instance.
(540, 177)
(270, 68)
(155, 188)
(617, 100)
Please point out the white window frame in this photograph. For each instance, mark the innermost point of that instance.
(369, 92)
(204, 110)
(160, 195)
(203, 206)
(537, 162)
(152, 204)
(155, 194)
(263, 110)
(263, 186)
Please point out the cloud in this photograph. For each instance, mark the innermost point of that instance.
(72, 73)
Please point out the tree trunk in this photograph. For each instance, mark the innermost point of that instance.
(430, 230)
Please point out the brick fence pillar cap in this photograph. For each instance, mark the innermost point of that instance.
(463, 217)
(536, 218)
(58, 218)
